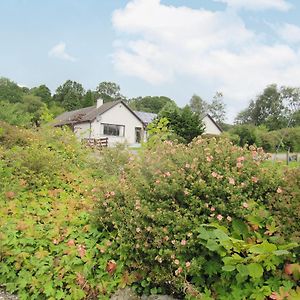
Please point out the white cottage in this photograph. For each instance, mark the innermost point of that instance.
(113, 120)
(117, 122)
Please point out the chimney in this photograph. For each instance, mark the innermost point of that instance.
(99, 102)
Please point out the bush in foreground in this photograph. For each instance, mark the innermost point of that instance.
(195, 221)
(48, 246)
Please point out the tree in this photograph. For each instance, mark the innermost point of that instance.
(216, 108)
(109, 91)
(183, 122)
(291, 99)
(198, 105)
(70, 95)
(43, 92)
(149, 104)
(10, 91)
(267, 109)
(35, 107)
(90, 98)
(14, 114)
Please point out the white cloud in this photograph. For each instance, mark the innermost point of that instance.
(161, 43)
(258, 4)
(59, 51)
(289, 33)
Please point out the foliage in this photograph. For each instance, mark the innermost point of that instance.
(10, 91)
(152, 104)
(70, 95)
(216, 108)
(271, 141)
(198, 105)
(48, 247)
(184, 123)
(275, 108)
(43, 92)
(14, 114)
(197, 220)
(109, 91)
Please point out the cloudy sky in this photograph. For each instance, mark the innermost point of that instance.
(150, 47)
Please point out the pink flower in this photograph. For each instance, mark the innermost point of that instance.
(219, 217)
(183, 242)
(173, 242)
(209, 158)
(214, 174)
(254, 179)
(229, 218)
(71, 243)
(231, 181)
(212, 209)
(173, 256)
(187, 166)
(112, 193)
(279, 190)
(178, 271)
(245, 205)
(239, 165)
(168, 174)
(157, 181)
(176, 262)
(187, 264)
(240, 159)
(81, 250)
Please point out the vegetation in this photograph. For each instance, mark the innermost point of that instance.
(202, 221)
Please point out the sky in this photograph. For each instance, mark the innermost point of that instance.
(154, 47)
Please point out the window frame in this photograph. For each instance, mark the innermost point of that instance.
(117, 125)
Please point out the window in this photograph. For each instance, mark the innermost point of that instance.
(115, 130)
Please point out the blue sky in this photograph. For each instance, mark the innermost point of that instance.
(151, 47)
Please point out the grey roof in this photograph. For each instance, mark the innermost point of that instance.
(88, 114)
(146, 117)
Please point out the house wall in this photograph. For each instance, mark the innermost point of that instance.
(117, 115)
(210, 127)
(82, 130)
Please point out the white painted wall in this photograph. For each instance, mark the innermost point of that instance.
(210, 127)
(82, 130)
(117, 115)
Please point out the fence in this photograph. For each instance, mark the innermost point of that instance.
(96, 143)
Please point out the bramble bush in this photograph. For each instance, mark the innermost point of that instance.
(198, 221)
(49, 248)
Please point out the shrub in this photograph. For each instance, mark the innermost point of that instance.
(48, 247)
(193, 220)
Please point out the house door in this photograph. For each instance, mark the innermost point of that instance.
(138, 135)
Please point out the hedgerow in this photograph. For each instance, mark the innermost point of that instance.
(196, 221)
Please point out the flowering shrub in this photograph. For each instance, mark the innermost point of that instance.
(48, 247)
(194, 220)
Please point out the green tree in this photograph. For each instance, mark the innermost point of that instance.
(43, 92)
(14, 114)
(109, 91)
(10, 91)
(183, 122)
(216, 108)
(70, 95)
(35, 107)
(267, 109)
(198, 105)
(151, 104)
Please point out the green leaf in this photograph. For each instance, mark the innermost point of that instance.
(228, 268)
(255, 270)
(240, 228)
(263, 248)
